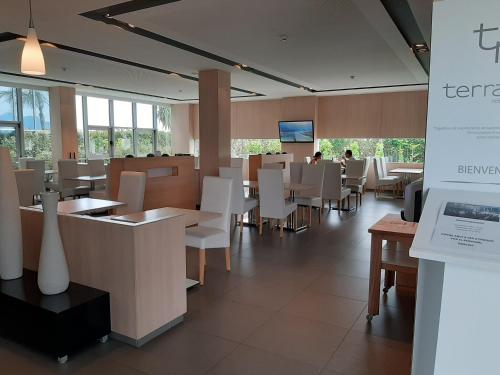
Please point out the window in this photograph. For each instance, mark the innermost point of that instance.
(98, 143)
(36, 124)
(144, 116)
(8, 104)
(163, 127)
(25, 123)
(404, 150)
(79, 127)
(244, 147)
(8, 138)
(97, 111)
(134, 128)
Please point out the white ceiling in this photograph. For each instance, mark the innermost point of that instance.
(328, 41)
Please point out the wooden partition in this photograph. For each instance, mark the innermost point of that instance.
(142, 266)
(257, 161)
(171, 181)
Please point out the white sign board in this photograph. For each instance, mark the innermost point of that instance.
(463, 126)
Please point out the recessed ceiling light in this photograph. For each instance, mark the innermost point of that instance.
(175, 75)
(284, 38)
(353, 77)
(244, 66)
(130, 25)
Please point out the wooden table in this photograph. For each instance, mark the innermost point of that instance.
(84, 206)
(393, 258)
(91, 179)
(191, 217)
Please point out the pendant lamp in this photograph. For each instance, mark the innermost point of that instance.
(32, 61)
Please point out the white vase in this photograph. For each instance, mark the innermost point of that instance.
(53, 275)
(11, 239)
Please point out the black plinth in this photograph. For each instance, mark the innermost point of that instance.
(57, 325)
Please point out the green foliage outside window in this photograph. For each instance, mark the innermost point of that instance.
(245, 147)
(405, 150)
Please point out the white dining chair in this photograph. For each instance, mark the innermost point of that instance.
(131, 191)
(240, 205)
(23, 162)
(355, 179)
(38, 167)
(272, 202)
(96, 167)
(382, 181)
(216, 232)
(26, 186)
(332, 188)
(296, 172)
(272, 166)
(236, 163)
(312, 198)
(68, 168)
(368, 161)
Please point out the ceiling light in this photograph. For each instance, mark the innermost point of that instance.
(175, 75)
(47, 44)
(130, 25)
(284, 38)
(32, 61)
(244, 66)
(238, 66)
(420, 48)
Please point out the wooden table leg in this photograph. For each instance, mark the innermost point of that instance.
(375, 264)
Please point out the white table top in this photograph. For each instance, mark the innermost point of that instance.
(50, 171)
(87, 178)
(407, 170)
(84, 206)
(287, 186)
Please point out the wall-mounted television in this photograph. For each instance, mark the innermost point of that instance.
(296, 131)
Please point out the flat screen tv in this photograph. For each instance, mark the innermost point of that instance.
(296, 131)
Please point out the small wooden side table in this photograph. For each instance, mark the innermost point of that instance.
(392, 258)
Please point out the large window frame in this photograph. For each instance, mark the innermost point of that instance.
(18, 123)
(113, 127)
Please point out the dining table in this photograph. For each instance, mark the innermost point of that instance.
(84, 206)
(407, 173)
(91, 179)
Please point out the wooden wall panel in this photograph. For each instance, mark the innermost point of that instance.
(397, 114)
(350, 116)
(173, 191)
(404, 114)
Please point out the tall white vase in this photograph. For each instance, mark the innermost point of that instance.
(53, 275)
(11, 239)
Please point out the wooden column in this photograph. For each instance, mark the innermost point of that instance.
(63, 123)
(215, 121)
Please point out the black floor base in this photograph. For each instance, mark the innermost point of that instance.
(57, 325)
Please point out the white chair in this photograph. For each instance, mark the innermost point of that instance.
(296, 172)
(23, 162)
(355, 180)
(307, 159)
(333, 189)
(365, 172)
(382, 181)
(68, 168)
(236, 163)
(25, 179)
(240, 205)
(96, 167)
(312, 175)
(272, 198)
(272, 166)
(214, 233)
(131, 192)
(39, 174)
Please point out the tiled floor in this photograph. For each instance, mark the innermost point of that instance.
(290, 306)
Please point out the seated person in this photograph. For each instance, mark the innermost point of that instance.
(347, 156)
(317, 157)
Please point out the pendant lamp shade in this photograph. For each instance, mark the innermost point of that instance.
(32, 61)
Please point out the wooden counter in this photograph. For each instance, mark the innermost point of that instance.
(170, 182)
(142, 266)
